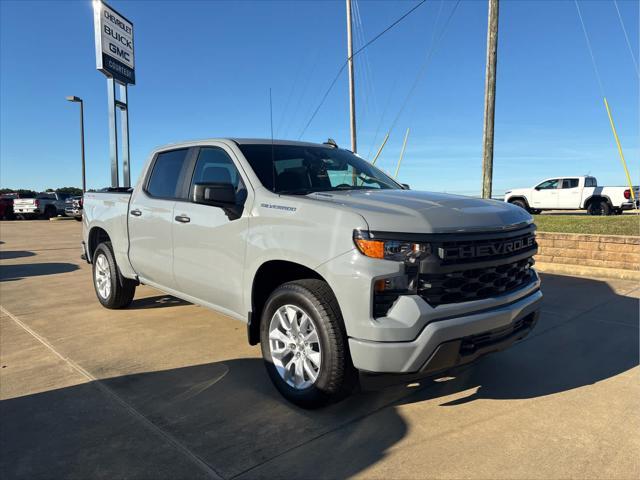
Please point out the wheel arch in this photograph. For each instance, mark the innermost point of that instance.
(595, 197)
(269, 276)
(518, 197)
(96, 236)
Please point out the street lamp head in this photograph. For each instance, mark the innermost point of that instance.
(74, 99)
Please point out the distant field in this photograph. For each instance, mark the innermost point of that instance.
(613, 225)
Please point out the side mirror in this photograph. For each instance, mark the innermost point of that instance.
(406, 186)
(216, 194)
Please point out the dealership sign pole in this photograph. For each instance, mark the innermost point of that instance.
(114, 58)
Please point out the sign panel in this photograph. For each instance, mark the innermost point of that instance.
(114, 43)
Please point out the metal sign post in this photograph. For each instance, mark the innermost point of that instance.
(115, 58)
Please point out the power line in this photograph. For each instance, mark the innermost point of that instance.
(433, 35)
(344, 65)
(427, 59)
(593, 58)
(626, 37)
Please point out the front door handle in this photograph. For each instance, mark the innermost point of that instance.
(136, 212)
(183, 219)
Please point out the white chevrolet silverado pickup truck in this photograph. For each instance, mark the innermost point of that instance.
(338, 271)
(573, 193)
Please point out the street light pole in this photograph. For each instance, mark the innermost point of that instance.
(79, 100)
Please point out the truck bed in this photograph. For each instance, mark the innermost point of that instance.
(109, 209)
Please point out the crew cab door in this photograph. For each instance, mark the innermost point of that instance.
(151, 217)
(545, 195)
(209, 241)
(569, 193)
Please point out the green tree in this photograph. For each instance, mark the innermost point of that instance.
(75, 191)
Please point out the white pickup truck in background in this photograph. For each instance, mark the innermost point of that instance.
(46, 204)
(573, 193)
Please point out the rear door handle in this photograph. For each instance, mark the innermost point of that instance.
(183, 219)
(136, 212)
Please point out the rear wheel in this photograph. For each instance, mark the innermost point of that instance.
(599, 207)
(50, 212)
(304, 345)
(113, 290)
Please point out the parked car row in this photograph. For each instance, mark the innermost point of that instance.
(42, 205)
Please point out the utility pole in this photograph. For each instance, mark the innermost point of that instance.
(352, 87)
(490, 100)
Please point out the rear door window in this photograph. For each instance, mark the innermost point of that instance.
(570, 183)
(164, 181)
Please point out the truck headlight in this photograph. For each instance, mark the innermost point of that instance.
(395, 250)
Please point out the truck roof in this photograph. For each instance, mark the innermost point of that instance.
(241, 141)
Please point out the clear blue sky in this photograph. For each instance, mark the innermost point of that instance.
(204, 69)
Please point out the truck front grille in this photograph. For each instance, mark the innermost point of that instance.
(474, 284)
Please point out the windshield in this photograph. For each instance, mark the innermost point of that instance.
(298, 169)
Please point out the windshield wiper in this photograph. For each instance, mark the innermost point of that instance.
(300, 191)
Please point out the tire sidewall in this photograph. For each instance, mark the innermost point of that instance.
(286, 295)
(102, 249)
(520, 203)
(50, 212)
(599, 208)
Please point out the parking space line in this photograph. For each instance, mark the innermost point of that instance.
(115, 397)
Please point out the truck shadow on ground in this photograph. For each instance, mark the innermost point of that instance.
(9, 254)
(17, 272)
(157, 301)
(228, 414)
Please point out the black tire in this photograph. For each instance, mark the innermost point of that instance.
(599, 207)
(50, 212)
(336, 377)
(536, 211)
(78, 219)
(121, 290)
(520, 203)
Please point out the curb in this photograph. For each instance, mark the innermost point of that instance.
(584, 271)
(58, 219)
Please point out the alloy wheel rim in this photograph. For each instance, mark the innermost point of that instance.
(103, 276)
(295, 346)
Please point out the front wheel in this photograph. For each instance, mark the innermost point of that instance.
(520, 203)
(304, 345)
(113, 291)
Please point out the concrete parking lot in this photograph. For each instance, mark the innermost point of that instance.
(166, 389)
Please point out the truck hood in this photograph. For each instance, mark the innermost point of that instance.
(426, 212)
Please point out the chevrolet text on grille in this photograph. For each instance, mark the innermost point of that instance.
(486, 250)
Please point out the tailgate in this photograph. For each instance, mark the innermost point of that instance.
(24, 202)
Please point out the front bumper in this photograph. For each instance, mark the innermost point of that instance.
(72, 212)
(446, 343)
